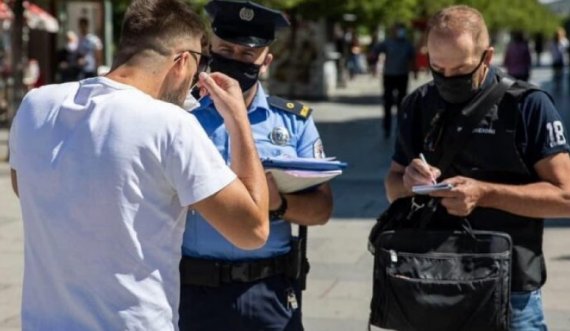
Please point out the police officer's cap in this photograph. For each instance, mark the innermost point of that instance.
(245, 22)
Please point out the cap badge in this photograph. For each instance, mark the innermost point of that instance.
(279, 136)
(246, 14)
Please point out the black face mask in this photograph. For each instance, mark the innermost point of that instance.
(245, 73)
(459, 88)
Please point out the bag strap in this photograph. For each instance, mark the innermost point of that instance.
(469, 118)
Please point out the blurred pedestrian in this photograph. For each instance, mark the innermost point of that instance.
(32, 74)
(538, 47)
(68, 68)
(517, 58)
(355, 51)
(371, 57)
(107, 168)
(399, 61)
(89, 50)
(558, 49)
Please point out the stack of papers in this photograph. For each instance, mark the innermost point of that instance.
(296, 174)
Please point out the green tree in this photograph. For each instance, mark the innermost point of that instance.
(527, 15)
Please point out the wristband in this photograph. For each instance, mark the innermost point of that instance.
(280, 211)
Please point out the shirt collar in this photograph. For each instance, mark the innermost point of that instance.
(259, 101)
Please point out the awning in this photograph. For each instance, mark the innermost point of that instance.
(39, 19)
(5, 12)
(36, 18)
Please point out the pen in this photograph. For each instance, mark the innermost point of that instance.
(423, 158)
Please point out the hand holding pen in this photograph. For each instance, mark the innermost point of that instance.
(432, 176)
(419, 172)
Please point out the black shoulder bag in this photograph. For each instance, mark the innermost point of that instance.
(441, 280)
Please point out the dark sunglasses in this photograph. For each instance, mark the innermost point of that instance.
(202, 63)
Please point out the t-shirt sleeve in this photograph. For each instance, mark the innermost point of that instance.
(545, 133)
(193, 165)
(309, 143)
(404, 133)
(14, 137)
(12, 140)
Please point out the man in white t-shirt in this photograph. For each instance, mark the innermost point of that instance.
(105, 170)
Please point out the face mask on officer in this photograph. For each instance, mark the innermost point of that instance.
(459, 88)
(245, 73)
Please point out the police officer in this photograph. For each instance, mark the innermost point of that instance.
(513, 170)
(224, 287)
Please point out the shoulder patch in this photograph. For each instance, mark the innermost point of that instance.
(294, 107)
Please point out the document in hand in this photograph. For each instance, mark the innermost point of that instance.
(296, 174)
(299, 163)
(427, 189)
(289, 181)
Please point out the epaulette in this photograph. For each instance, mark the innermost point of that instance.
(294, 107)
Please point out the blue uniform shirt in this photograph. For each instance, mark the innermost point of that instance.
(300, 139)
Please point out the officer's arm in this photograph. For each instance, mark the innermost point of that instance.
(14, 181)
(545, 199)
(310, 208)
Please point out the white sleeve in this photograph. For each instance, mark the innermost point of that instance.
(194, 166)
(12, 144)
(13, 139)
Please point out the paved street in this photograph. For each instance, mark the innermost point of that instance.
(339, 285)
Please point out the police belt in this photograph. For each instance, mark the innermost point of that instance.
(214, 273)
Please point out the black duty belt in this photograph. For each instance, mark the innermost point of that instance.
(213, 273)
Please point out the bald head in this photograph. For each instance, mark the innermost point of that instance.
(454, 21)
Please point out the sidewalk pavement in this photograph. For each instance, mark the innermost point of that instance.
(340, 281)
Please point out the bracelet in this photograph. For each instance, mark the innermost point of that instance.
(279, 212)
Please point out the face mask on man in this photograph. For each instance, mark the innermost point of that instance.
(245, 73)
(190, 103)
(401, 33)
(459, 88)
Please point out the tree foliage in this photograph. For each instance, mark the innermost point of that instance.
(526, 15)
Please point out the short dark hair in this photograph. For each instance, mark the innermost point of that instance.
(156, 25)
(84, 21)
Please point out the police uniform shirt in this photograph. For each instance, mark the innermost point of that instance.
(539, 134)
(276, 132)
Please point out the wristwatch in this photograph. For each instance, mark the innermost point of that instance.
(279, 212)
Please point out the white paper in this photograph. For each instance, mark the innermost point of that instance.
(426, 189)
(289, 181)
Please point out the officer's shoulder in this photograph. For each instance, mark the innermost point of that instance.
(289, 106)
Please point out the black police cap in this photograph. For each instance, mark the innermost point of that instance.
(245, 22)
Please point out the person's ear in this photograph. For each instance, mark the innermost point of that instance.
(266, 62)
(490, 52)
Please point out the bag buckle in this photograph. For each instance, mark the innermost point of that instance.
(414, 207)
